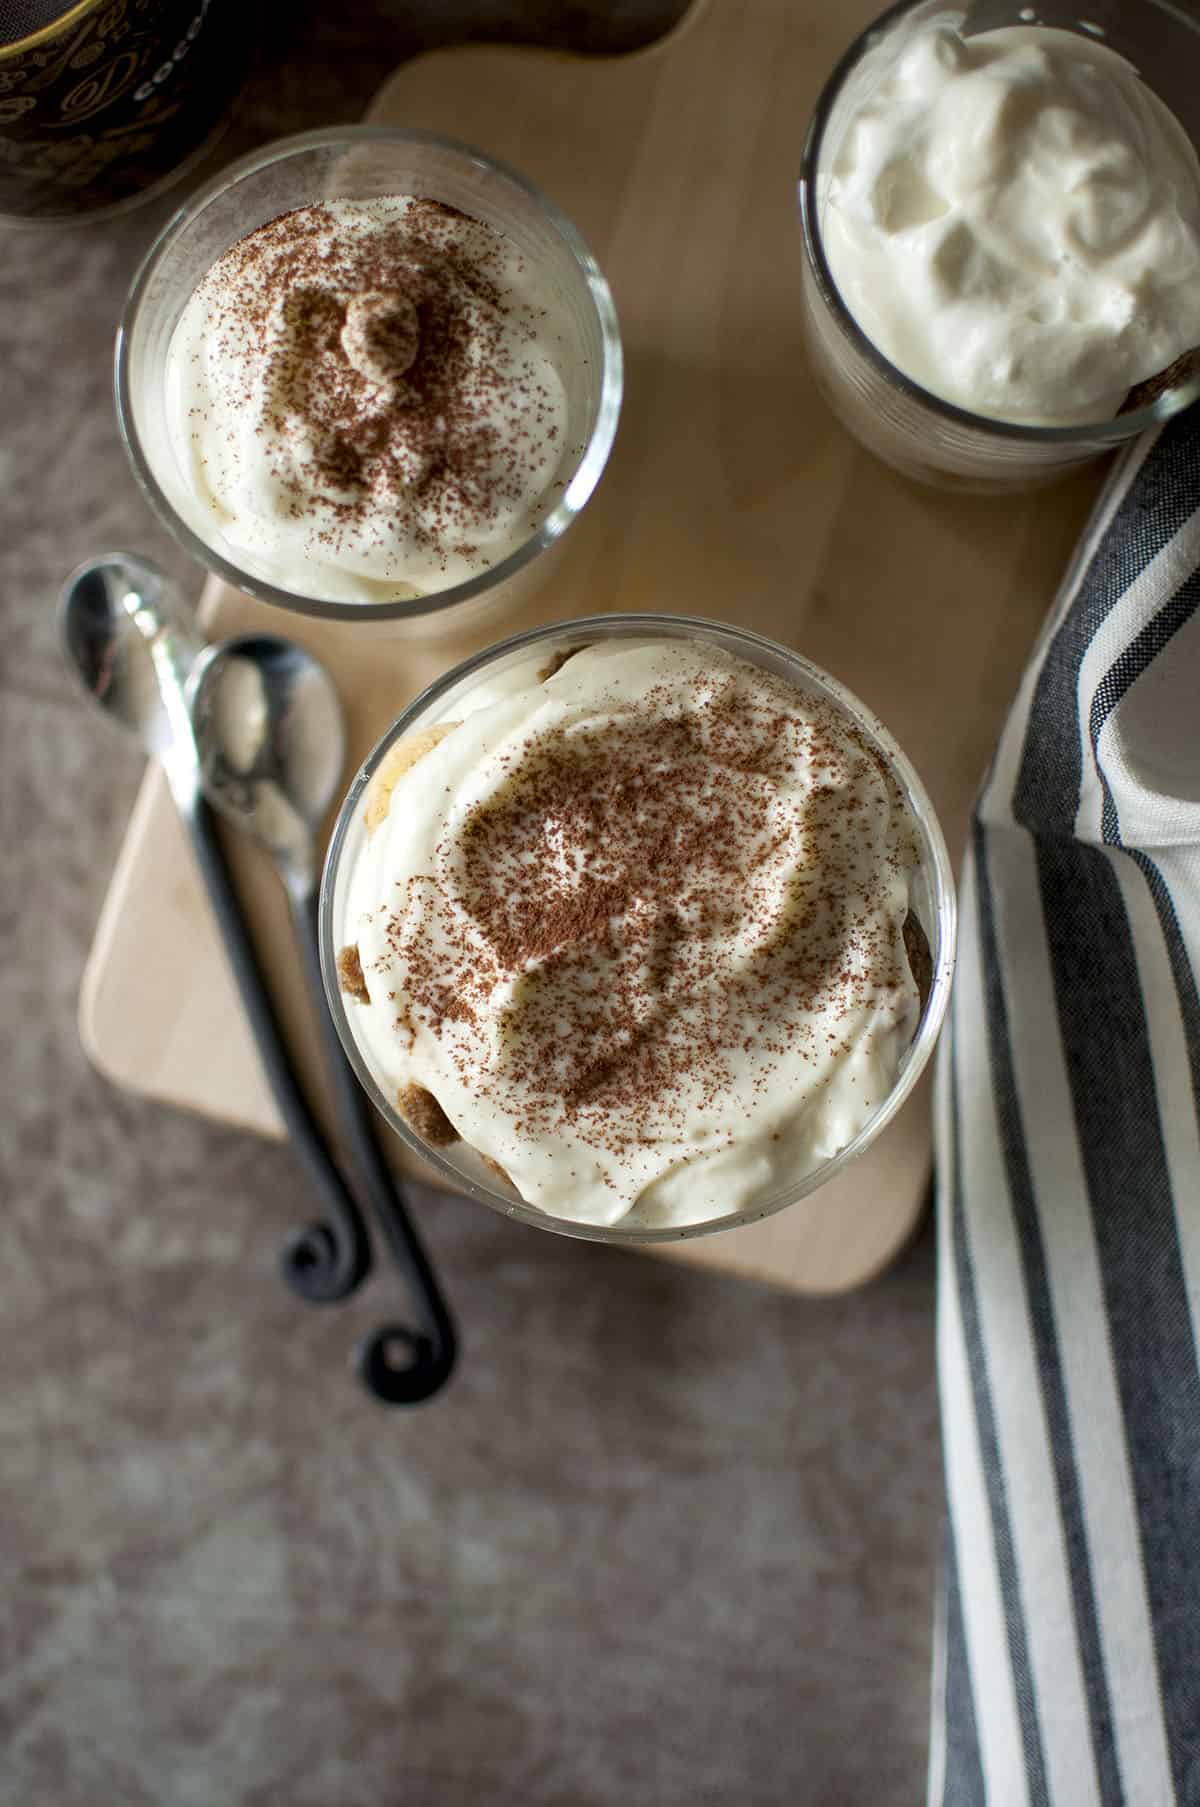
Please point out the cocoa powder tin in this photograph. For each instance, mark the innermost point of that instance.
(103, 101)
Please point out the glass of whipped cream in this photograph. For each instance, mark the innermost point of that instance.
(637, 927)
(1000, 209)
(370, 374)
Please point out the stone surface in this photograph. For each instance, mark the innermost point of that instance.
(667, 1538)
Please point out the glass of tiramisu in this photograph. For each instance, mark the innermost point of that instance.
(1000, 208)
(637, 927)
(371, 374)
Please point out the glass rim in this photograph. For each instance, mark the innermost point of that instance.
(934, 858)
(1114, 430)
(578, 487)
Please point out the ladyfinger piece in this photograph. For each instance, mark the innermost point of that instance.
(398, 760)
(425, 1116)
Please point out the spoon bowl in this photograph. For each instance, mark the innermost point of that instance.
(271, 738)
(111, 655)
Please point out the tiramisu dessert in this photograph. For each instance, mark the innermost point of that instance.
(366, 401)
(1013, 219)
(635, 925)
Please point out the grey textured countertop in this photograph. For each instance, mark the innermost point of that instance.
(668, 1539)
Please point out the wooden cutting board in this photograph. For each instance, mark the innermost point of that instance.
(731, 493)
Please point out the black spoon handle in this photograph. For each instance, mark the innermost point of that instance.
(328, 1260)
(399, 1365)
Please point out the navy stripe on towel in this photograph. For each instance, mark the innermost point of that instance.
(1045, 1337)
(964, 1786)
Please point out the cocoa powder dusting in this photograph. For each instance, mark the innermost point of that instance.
(625, 880)
(387, 353)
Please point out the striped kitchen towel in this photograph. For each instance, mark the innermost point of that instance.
(1067, 1655)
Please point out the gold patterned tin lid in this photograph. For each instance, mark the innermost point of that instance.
(24, 24)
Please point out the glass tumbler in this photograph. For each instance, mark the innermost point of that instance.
(358, 163)
(932, 901)
(894, 417)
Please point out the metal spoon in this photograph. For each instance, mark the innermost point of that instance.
(133, 644)
(270, 736)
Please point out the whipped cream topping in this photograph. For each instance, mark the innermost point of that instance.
(364, 399)
(636, 923)
(1014, 221)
